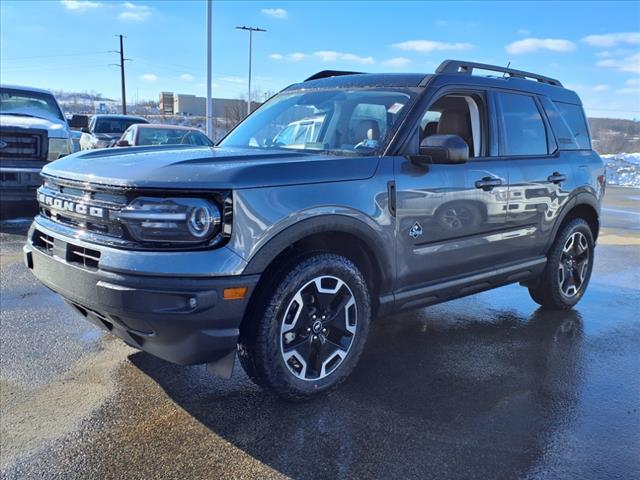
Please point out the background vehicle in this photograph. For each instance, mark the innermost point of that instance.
(158, 134)
(285, 252)
(33, 130)
(104, 130)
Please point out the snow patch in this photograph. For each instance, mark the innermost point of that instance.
(623, 169)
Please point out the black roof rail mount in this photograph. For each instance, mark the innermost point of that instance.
(458, 66)
(330, 73)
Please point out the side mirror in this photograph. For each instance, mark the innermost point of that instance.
(85, 130)
(122, 143)
(449, 149)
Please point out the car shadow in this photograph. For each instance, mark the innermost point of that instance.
(438, 393)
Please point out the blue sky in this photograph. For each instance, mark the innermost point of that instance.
(593, 47)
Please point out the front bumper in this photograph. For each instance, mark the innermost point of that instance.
(183, 319)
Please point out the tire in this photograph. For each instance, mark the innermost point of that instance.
(570, 261)
(308, 328)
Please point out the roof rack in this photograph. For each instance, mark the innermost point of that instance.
(458, 66)
(330, 73)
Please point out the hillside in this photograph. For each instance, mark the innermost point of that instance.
(614, 135)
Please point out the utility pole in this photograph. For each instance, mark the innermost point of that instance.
(121, 65)
(209, 100)
(250, 30)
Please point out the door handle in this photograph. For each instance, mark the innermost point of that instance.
(488, 183)
(556, 177)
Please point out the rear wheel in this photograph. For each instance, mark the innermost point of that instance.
(568, 269)
(307, 333)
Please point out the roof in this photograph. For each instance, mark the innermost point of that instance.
(450, 72)
(362, 80)
(27, 89)
(113, 115)
(165, 126)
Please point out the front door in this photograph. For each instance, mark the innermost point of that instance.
(450, 217)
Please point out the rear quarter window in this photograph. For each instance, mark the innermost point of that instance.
(522, 128)
(574, 117)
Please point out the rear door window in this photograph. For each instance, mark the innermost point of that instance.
(523, 130)
(574, 117)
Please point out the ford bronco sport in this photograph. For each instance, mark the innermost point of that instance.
(400, 191)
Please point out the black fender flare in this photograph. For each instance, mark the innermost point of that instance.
(580, 198)
(382, 255)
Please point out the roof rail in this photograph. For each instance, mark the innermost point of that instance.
(458, 66)
(330, 73)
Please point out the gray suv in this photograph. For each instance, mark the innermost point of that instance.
(342, 199)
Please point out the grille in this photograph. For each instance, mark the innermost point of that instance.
(43, 242)
(70, 196)
(85, 257)
(22, 145)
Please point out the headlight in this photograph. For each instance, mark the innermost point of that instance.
(58, 147)
(180, 220)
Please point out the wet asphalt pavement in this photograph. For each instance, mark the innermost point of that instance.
(488, 386)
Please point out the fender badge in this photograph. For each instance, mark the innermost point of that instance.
(416, 231)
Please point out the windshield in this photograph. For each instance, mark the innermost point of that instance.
(31, 104)
(171, 136)
(340, 121)
(114, 124)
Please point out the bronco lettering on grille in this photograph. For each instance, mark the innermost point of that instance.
(69, 206)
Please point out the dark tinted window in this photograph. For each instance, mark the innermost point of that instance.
(523, 131)
(574, 116)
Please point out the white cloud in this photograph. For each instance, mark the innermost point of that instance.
(397, 62)
(276, 56)
(296, 57)
(149, 77)
(331, 56)
(627, 64)
(80, 5)
(613, 39)
(529, 45)
(427, 46)
(600, 88)
(187, 77)
(275, 12)
(134, 12)
(632, 87)
(524, 31)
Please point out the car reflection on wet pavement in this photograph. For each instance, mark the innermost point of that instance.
(488, 386)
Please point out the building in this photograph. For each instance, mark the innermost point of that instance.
(166, 103)
(186, 104)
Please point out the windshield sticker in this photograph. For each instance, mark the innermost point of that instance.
(395, 108)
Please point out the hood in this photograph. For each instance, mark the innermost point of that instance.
(55, 128)
(107, 136)
(180, 167)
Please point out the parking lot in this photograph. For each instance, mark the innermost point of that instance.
(488, 386)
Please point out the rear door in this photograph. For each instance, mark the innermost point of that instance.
(538, 173)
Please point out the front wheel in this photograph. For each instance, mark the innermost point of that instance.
(568, 269)
(307, 333)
